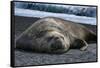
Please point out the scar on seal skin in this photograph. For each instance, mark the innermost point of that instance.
(55, 35)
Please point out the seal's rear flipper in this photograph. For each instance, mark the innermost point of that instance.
(92, 38)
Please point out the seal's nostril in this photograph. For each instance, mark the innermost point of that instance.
(53, 46)
(59, 46)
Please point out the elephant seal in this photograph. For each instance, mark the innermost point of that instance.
(55, 35)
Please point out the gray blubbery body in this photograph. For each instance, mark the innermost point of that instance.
(55, 35)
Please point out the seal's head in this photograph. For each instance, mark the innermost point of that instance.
(53, 41)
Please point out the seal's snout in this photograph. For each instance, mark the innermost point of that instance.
(57, 44)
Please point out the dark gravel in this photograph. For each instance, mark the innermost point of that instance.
(24, 58)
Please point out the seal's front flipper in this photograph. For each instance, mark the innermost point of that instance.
(80, 44)
(84, 45)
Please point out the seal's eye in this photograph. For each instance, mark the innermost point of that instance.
(49, 38)
(62, 37)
